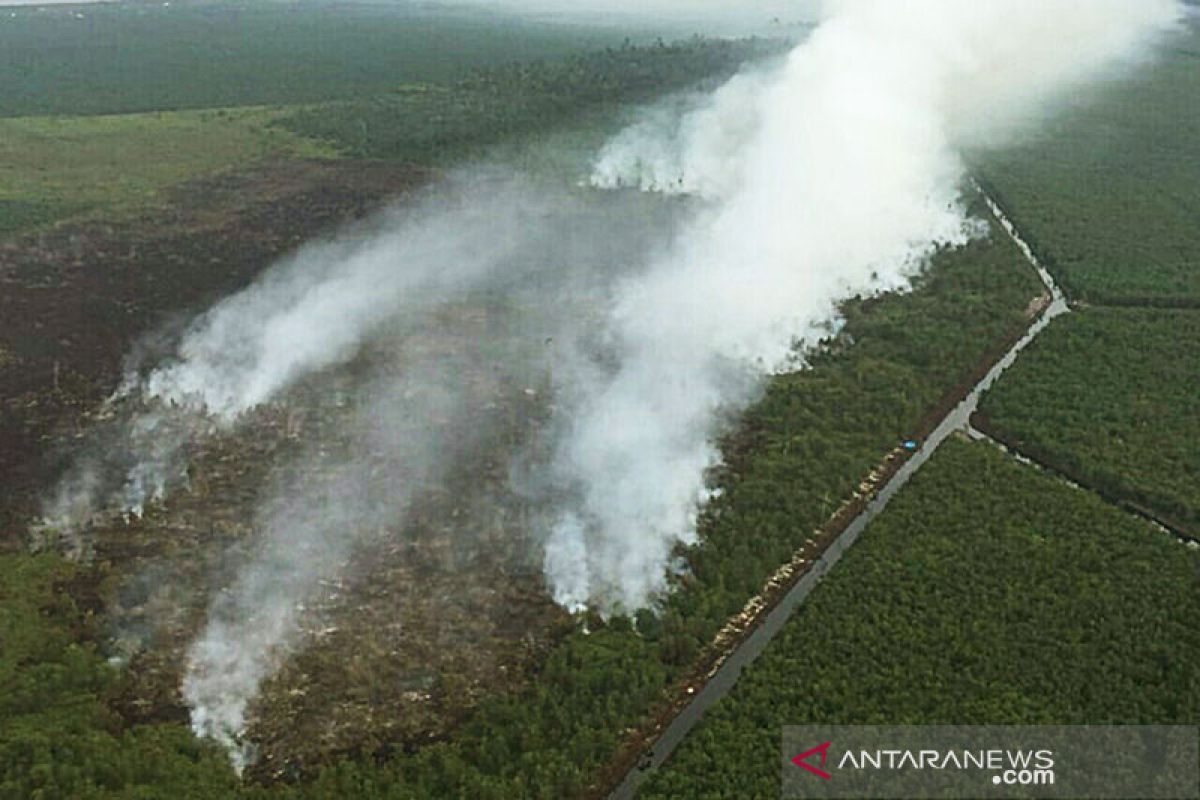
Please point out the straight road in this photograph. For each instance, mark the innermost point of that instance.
(957, 419)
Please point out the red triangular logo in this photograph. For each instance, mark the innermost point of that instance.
(802, 760)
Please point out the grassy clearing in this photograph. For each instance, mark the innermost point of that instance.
(1108, 191)
(51, 167)
(988, 593)
(130, 57)
(1112, 396)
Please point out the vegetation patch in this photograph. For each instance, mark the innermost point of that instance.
(1112, 398)
(130, 57)
(1107, 192)
(988, 593)
(18, 215)
(51, 167)
(59, 737)
(430, 123)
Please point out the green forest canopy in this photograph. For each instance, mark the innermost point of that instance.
(1107, 189)
(1112, 397)
(988, 593)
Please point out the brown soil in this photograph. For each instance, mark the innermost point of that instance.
(73, 301)
(426, 618)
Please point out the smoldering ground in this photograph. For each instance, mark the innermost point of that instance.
(404, 381)
(463, 381)
(544, 252)
(637, 322)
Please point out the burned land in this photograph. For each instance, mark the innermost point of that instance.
(417, 624)
(365, 570)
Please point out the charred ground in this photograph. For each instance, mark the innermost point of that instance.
(424, 619)
(77, 298)
(431, 615)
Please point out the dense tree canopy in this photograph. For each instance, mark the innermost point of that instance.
(436, 123)
(988, 593)
(59, 738)
(1107, 188)
(1112, 397)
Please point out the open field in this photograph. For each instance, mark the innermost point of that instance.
(112, 167)
(1107, 191)
(115, 166)
(130, 57)
(1010, 597)
(1112, 397)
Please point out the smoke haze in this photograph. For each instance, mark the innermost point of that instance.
(489, 288)
(835, 175)
(646, 322)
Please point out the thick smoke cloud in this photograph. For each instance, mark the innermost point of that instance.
(536, 260)
(836, 174)
(652, 321)
(478, 230)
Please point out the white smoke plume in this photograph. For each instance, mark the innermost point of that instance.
(316, 309)
(309, 528)
(835, 173)
(539, 258)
